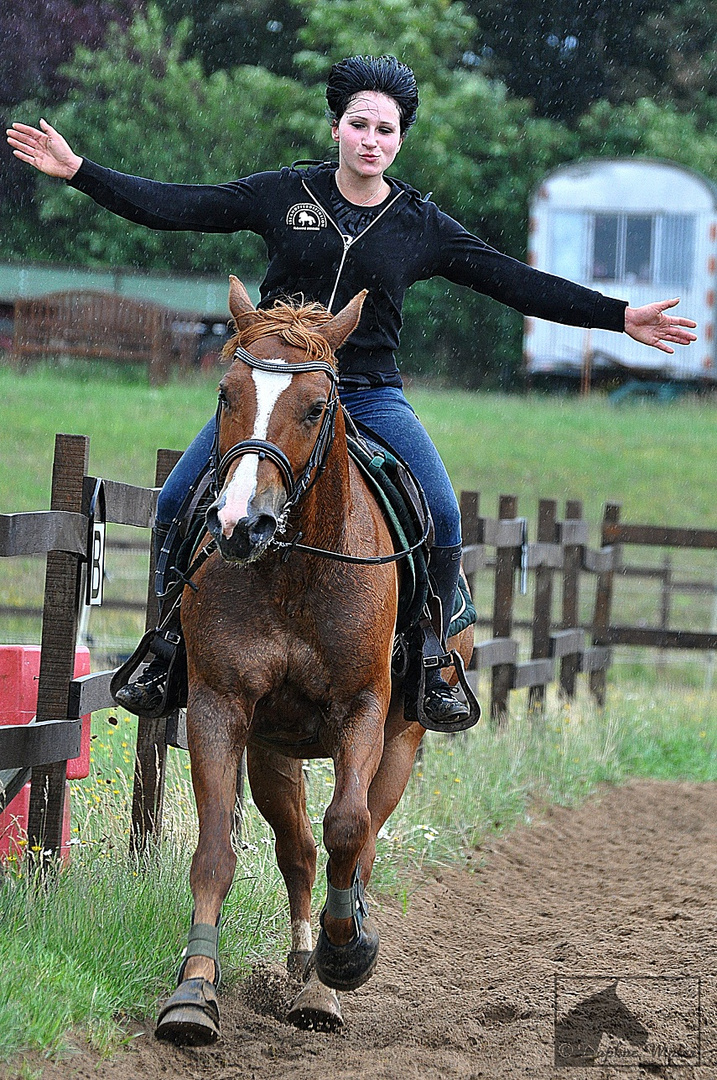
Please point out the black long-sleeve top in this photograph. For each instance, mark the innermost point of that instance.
(317, 247)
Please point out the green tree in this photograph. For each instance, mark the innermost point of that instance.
(227, 33)
(679, 42)
(563, 55)
(138, 106)
(648, 129)
(430, 35)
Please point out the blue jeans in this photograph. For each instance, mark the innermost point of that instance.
(388, 413)
(184, 473)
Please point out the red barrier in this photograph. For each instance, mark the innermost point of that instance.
(19, 674)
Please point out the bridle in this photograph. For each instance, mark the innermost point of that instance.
(295, 488)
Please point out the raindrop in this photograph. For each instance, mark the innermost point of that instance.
(274, 26)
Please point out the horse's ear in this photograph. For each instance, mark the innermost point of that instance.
(239, 303)
(344, 323)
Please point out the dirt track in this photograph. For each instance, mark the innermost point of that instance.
(473, 980)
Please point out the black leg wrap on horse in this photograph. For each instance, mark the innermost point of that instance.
(346, 967)
(203, 940)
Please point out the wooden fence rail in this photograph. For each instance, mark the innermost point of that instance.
(101, 325)
(500, 546)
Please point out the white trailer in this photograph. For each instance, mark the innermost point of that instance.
(638, 229)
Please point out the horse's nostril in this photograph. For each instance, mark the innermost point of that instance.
(262, 529)
(212, 521)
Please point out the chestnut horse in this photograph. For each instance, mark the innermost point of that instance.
(289, 656)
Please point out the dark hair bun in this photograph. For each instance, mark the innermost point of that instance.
(383, 74)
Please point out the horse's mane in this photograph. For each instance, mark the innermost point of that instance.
(293, 322)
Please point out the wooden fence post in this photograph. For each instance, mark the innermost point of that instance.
(63, 578)
(505, 565)
(603, 607)
(543, 602)
(151, 755)
(471, 533)
(470, 517)
(572, 561)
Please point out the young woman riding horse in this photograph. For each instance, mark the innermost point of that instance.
(331, 232)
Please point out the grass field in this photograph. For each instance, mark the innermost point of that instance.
(103, 940)
(657, 460)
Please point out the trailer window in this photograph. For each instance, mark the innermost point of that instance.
(605, 239)
(645, 249)
(677, 250)
(638, 249)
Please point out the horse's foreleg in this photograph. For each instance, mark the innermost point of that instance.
(191, 1014)
(277, 787)
(347, 947)
(214, 729)
(389, 783)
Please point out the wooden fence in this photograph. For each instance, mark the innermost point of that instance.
(99, 325)
(40, 750)
(559, 654)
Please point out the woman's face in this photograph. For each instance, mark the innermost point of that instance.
(368, 134)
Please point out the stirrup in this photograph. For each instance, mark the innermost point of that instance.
(166, 645)
(433, 656)
(462, 723)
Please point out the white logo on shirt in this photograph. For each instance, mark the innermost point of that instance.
(306, 217)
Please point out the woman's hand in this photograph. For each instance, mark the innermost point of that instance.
(45, 149)
(653, 326)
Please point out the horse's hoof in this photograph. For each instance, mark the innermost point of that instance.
(346, 967)
(190, 1017)
(316, 1008)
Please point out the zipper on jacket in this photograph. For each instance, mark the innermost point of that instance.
(346, 240)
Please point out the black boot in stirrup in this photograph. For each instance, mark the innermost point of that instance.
(146, 695)
(440, 703)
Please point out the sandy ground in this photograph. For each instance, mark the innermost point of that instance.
(583, 948)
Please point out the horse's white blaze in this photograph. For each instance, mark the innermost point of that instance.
(269, 387)
(301, 936)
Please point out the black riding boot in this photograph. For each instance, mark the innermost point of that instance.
(440, 703)
(144, 696)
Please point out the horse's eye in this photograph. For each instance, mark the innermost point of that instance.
(223, 400)
(315, 414)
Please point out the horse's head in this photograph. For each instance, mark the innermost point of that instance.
(275, 420)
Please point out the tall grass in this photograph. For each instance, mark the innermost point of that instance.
(102, 938)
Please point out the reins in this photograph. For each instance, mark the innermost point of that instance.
(313, 469)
